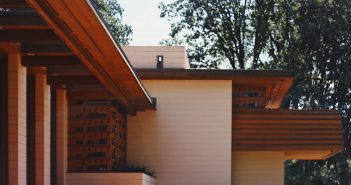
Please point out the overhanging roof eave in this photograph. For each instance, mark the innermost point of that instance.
(97, 50)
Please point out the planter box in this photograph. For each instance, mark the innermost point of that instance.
(109, 179)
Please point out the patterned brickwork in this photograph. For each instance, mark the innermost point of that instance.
(97, 136)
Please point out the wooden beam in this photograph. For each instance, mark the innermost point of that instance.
(68, 71)
(50, 61)
(36, 70)
(285, 147)
(87, 87)
(27, 35)
(51, 48)
(72, 80)
(13, 4)
(9, 48)
(61, 87)
(281, 93)
(311, 154)
(334, 152)
(89, 95)
(273, 113)
(21, 20)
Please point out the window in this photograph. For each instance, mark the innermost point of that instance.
(159, 62)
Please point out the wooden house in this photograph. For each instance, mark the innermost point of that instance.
(190, 126)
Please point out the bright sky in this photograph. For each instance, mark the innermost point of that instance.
(144, 17)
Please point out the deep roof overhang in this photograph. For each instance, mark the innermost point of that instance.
(81, 29)
(276, 82)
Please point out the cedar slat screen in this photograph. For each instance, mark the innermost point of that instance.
(286, 130)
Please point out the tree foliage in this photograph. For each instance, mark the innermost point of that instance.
(318, 49)
(112, 13)
(229, 30)
(312, 37)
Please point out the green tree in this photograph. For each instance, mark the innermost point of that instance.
(235, 31)
(319, 52)
(112, 13)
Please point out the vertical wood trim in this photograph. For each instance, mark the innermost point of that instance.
(3, 121)
(31, 130)
(61, 135)
(53, 141)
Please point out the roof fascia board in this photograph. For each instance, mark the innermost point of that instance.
(118, 47)
(210, 74)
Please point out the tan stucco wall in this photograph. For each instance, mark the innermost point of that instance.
(257, 168)
(188, 139)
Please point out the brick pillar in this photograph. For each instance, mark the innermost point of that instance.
(17, 120)
(42, 130)
(62, 124)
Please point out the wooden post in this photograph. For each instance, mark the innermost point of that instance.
(61, 143)
(42, 130)
(17, 120)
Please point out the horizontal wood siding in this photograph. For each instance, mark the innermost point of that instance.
(187, 140)
(286, 130)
